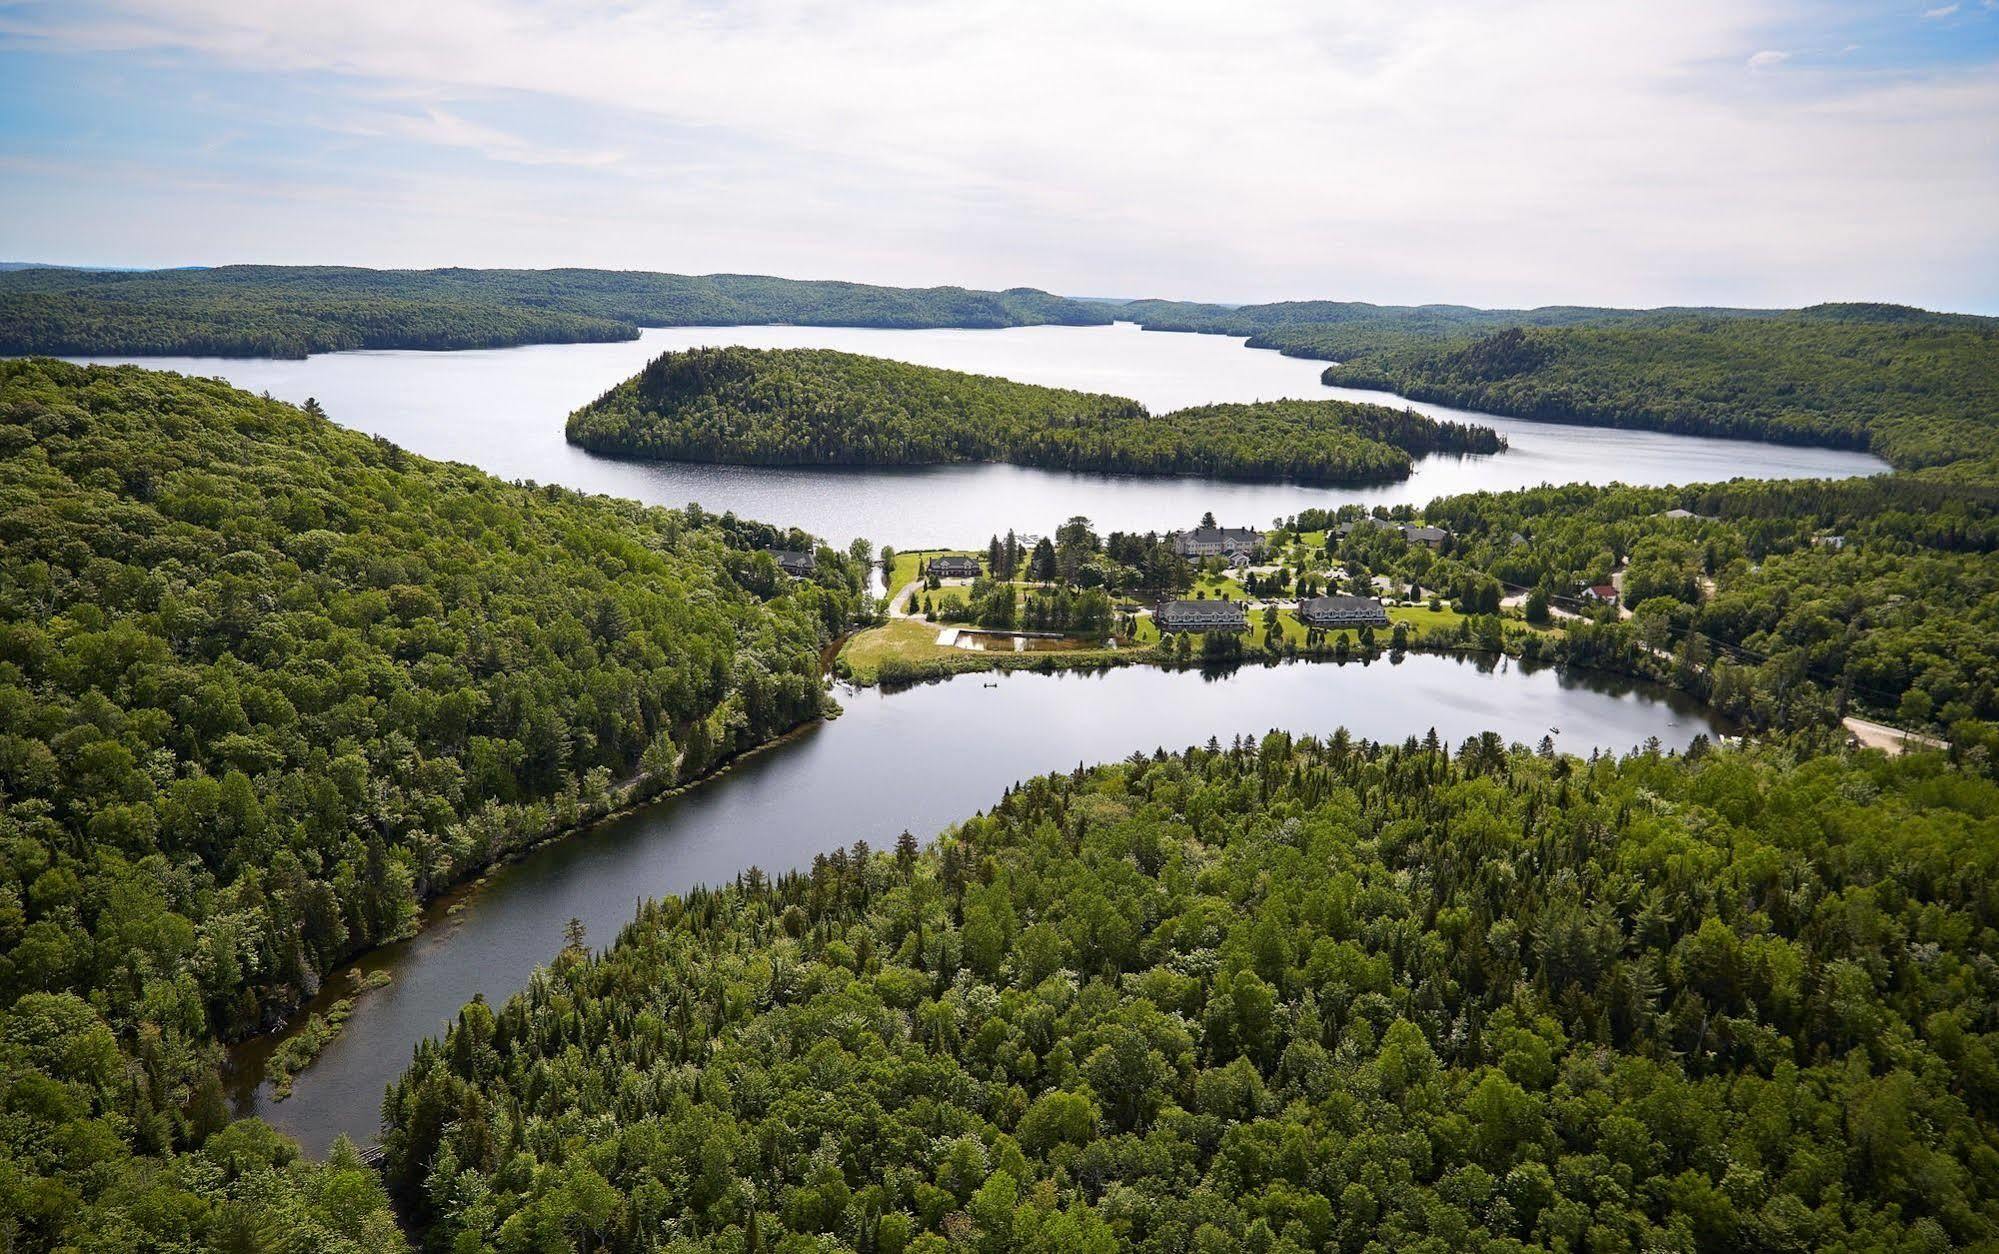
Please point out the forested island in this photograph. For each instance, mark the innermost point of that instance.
(817, 407)
(267, 685)
(290, 311)
(1919, 388)
(1283, 996)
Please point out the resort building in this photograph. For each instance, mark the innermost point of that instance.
(1230, 542)
(1342, 611)
(1178, 616)
(954, 567)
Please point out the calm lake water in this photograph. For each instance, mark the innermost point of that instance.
(503, 410)
(918, 759)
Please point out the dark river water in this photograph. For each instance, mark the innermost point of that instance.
(503, 409)
(918, 759)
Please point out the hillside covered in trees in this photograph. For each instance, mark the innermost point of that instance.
(816, 407)
(1920, 388)
(1785, 605)
(266, 685)
(289, 311)
(1281, 997)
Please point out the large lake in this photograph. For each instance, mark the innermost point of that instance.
(503, 410)
(918, 760)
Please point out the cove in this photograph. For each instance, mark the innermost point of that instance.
(918, 759)
(503, 410)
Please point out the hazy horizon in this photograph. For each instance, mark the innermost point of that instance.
(1761, 154)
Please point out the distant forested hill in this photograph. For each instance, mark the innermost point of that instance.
(1920, 388)
(266, 685)
(289, 311)
(816, 407)
(1280, 996)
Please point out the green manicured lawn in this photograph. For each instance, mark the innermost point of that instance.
(906, 564)
(1216, 586)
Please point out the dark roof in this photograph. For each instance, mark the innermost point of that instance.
(792, 561)
(1603, 591)
(1225, 537)
(1412, 532)
(1202, 616)
(1342, 611)
(953, 564)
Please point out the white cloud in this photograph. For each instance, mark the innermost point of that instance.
(1545, 151)
(437, 126)
(1941, 11)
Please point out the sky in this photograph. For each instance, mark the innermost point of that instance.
(1739, 152)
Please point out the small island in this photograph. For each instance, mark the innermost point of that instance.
(816, 407)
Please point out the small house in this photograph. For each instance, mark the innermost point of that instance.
(793, 562)
(1602, 592)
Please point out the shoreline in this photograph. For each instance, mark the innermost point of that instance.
(245, 1067)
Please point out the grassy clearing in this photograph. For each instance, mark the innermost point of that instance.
(910, 639)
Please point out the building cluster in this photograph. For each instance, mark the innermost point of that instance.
(1411, 533)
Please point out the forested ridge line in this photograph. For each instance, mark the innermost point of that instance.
(819, 407)
(1920, 388)
(1282, 996)
(267, 684)
(290, 311)
(1917, 387)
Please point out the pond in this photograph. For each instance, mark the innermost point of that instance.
(919, 760)
(503, 411)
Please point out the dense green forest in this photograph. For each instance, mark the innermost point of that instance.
(1920, 388)
(1281, 996)
(1784, 604)
(265, 685)
(289, 311)
(817, 407)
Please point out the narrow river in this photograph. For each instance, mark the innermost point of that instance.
(918, 760)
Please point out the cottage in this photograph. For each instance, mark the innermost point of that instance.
(1603, 592)
(1236, 543)
(793, 562)
(954, 567)
(1834, 543)
(1176, 616)
(1342, 611)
